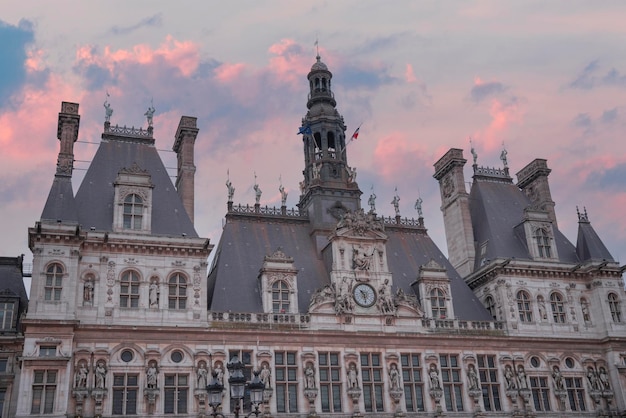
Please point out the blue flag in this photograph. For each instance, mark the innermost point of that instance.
(305, 130)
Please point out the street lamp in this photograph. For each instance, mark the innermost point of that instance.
(236, 381)
(256, 393)
(215, 389)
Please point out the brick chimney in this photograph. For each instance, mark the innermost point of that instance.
(67, 133)
(183, 147)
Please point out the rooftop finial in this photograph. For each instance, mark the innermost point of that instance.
(317, 48)
(396, 202)
(108, 110)
(582, 217)
(372, 200)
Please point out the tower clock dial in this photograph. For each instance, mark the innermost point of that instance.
(364, 295)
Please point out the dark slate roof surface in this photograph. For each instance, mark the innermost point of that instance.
(234, 285)
(95, 195)
(11, 280)
(589, 246)
(496, 209)
(61, 204)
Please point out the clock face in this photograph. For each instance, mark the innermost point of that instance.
(364, 295)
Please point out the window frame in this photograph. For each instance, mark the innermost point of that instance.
(177, 291)
(129, 299)
(177, 390)
(123, 393)
(281, 296)
(615, 307)
(438, 303)
(524, 306)
(132, 219)
(557, 305)
(53, 286)
(43, 398)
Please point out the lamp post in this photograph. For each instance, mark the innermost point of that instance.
(236, 381)
(215, 389)
(256, 393)
(237, 384)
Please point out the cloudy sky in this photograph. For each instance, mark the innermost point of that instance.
(547, 79)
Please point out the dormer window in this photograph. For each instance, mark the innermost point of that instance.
(7, 313)
(438, 304)
(133, 212)
(133, 200)
(544, 246)
(280, 297)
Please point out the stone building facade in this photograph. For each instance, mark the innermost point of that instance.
(347, 313)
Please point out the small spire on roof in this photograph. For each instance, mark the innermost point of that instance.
(582, 217)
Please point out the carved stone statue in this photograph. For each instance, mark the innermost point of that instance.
(472, 378)
(521, 377)
(201, 375)
(231, 190)
(101, 373)
(594, 381)
(541, 304)
(108, 111)
(385, 302)
(151, 376)
(283, 195)
(351, 174)
(418, 206)
(154, 294)
(396, 203)
(558, 379)
(372, 202)
(474, 154)
(503, 155)
(80, 378)
(394, 377)
(219, 372)
(434, 377)
(257, 193)
(88, 293)
(353, 381)
(604, 379)
(509, 376)
(149, 114)
(316, 171)
(309, 377)
(360, 259)
(265, 376)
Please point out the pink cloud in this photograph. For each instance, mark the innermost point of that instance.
(227, 73)
(289, 63)
(395, 156)
(183, 55)
(503, 115)
(409, 75)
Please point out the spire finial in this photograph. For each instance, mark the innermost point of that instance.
(317, 48)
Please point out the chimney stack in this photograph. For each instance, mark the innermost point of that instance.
(67, 133)
(183, 147)
(533, 180)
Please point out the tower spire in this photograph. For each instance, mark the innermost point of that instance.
(327, 176)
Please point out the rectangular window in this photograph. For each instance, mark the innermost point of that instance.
(575, 393)
(47, 351)
(413, 384)
(125, 389)
(44, 391)
(7, 310)
(330, 382)
(451, 378)
(176, 391)
(372, 378)
(286, 381)
(489, 382)
(245, 356)
(3, 365)
(541, 393)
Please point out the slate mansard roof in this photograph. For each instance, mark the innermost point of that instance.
(94, 198)
(246, 240)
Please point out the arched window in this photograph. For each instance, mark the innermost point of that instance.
(438, 304)
(133, 212)
(490, 304)
(524, 307)
(280, 297)
(54, 282)
(543, 243)
(558, 308)
(129, 289)
(177, 298)
(615, 307)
